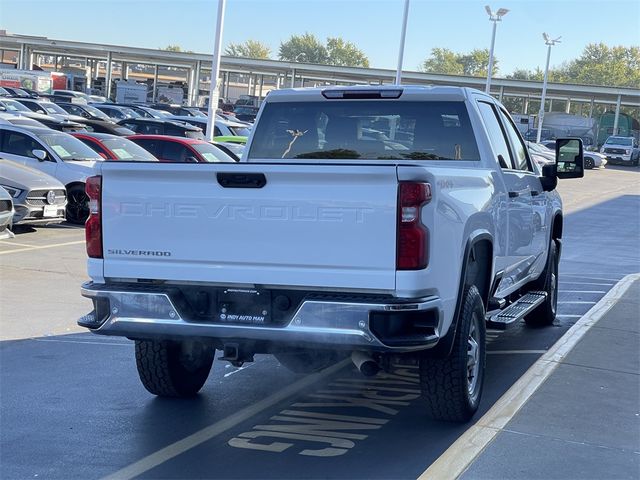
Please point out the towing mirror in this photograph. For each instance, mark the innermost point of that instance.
(41, 155)
(569, 158)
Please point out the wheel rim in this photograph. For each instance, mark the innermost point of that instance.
(77, 206)
(473, 356)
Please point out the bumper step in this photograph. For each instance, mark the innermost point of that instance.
(517, 310)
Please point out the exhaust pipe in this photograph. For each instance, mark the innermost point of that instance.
(363, 362)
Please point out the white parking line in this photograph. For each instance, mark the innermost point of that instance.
(588, 283)
(514, 352)
(577, 302)
(581, 291)
(11, 244)
(463, 452)
(42, 247)
(569, 316)
(207, 433)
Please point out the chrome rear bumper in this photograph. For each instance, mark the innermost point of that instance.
(339, 324)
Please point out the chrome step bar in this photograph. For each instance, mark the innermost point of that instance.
(516, 311)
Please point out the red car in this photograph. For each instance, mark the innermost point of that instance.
(112, 147)
(182, 149)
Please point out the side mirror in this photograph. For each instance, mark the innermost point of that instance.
(41, 155)
(569, 158)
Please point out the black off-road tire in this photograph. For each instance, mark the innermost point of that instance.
(545, 313)
(448, 389)
(165, 371)
(300, 360)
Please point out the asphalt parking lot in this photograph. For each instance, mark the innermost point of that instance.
(72, 405)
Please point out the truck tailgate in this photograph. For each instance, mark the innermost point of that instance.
(310, 225)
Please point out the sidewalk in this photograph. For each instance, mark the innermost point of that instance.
(584, 420)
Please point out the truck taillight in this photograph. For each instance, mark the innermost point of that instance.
(412, 248)
(93, 227)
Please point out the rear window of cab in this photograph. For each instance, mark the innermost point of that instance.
(365, 130)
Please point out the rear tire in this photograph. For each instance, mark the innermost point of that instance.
(173, 369)
(452, 386)
(545, 313)
(300, 360)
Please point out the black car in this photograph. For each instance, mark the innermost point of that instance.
(21, 92)
(179, 110)
(246, 113)
(103, 126)
(155, 126)
(86, 111)
(56, 122)
(116, 112)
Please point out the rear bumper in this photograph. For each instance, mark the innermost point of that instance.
(327, 324)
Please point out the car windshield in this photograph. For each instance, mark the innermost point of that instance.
(196, 113)
(619, 141)
(96, 113)
(374, 130)
(241, 131)
(14, 106)
(51, 107)
(127, 150)
(211, 153)
(68, 148)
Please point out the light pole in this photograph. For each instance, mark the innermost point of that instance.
(403, 35)
(550, 43)
(214, 92)
(495, 18)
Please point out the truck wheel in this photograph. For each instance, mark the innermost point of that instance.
(300, 360)
(452, 386)
(173, 369)
(545, 314)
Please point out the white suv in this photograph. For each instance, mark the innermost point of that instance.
(57, 154)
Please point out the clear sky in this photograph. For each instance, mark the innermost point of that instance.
(373, 25)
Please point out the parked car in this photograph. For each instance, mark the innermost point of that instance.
(113, 147)
(72, 94)
(156, 126)
(621, 150)
(117, 112)
(246, 113)
(20, 92)
(85, 111)
(62, 124)
(6, 214)
(594, 160)
(38, 198)
(541, 154)
(179, 109)
(224, 130)
(57, 154)
(4, 92)
(144, 111)
(103, 126)
(532, 135)
(10, 119)
(181, 150)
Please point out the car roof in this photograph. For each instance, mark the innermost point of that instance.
(166, 138)
(175, 123)
(28, 129)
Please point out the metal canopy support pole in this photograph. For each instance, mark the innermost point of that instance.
(21, 59)
(250, 81)
(155, 83)
(214, 92)
(403, 35)
(261, 86)
(617, 117)
(293, 77)
(525, 109)
(124, 72)
(501, 94)
(108, 75)
(544, 93)
(591, 107)
(196, 84)
(567, 107)
(227, 79)
(487, 87)
(32, 57)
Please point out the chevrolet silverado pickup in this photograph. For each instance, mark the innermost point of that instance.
(390, 224)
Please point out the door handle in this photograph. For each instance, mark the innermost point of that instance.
(514, 194)
(241, 180)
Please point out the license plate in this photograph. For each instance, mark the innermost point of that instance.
(244, 306)
(50, 211)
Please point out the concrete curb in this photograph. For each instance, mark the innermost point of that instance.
(459, 456)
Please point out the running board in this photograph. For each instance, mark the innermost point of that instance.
(517, 310)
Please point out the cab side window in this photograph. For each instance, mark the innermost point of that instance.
(496, 134)
(519, 149)
(175, 152)
(17, 143)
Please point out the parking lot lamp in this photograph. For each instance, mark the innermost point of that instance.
(550, 43)
(495, 18)
(403, 35)
(214, 92)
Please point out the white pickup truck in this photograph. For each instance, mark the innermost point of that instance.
(391, 224)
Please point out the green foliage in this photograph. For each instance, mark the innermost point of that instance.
(445, 61)
(308, 48)
(175, 48)
(248, 49)
(345, 54)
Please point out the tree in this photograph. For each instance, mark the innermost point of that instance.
(249, 49)
(303, 48)
(345, 54)
(175, 48)
(475, 63)
(524, 74)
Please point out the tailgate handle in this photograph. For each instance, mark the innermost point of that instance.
(241, 180)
